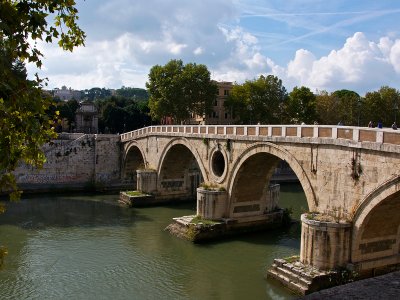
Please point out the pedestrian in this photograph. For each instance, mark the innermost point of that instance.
(340, 123)
(371, 124)
(394, 126)
(379, 124)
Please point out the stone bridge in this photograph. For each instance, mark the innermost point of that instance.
(350, 177)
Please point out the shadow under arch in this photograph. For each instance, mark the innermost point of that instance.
(133, 159)
(180, 170)
(377, 218)
(280, 153)
(183, 142)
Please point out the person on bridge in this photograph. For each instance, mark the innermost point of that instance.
(394, 126)
(371, 124)
(379, 124)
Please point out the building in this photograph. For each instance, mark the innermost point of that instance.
(86, 118)
(66, 94)
(219, 115)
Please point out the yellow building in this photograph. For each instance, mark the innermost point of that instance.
(219, 116)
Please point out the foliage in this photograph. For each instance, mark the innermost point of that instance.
(135, 193)
(347, 106)
(301, 106)
(133, 93)
(258, 101)
(342, 275)
(340, 106)
(201, 220)
(67, 111)
(24, 122)
(292, 259)
(120, 114)
(96, 93)
(228, 145)
(179, 91)
(382, 105)
(208, 186)
(287, 216)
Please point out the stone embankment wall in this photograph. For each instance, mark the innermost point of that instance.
(75, 162)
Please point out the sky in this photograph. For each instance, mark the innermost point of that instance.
(323, 45)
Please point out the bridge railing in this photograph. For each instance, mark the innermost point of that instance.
(357, 134)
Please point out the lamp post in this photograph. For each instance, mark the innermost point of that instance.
(395, 109)
(359, 111)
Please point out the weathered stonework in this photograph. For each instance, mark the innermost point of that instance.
(211, 204)
(75, 162)
(324, 244)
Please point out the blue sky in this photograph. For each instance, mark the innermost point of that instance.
(324, 45)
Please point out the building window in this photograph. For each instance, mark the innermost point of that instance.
(215, 102)
(226, 115)
(226, 92)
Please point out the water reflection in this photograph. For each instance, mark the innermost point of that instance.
(81, 247)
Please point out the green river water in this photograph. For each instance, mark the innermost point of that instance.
(81, 247)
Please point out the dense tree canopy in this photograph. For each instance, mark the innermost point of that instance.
(258, 101)
(382, 105)
(24, 122)
(347, 105)
(67, 111)
(301, 106)
(177, 90)
(120, 114)
(134, 93)
(96, 93)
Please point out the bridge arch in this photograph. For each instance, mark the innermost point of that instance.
(376, 226)
(255, 159)
(180, 169)
(134, 158)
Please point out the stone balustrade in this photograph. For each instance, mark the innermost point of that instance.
(298, 133)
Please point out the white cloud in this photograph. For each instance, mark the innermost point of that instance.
(198, 51)
(125, 39)
(395, 56)
(360, 65)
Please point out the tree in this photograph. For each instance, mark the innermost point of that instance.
(326, 107)
(24, 122)
(177, 90)
(120, 114)
(382, 105)
(347, 106)
(260, 100)
(301, 106)
(67, 110)
(135, 93)
(96, 93)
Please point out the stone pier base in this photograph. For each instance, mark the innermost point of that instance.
(305, 279)
(198, 230)
(139, 200)
(324, 256)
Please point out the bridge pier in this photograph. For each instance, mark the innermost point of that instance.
(325, 253)
(211, 204)
(325, 244)
(215, 218)
(147, 181)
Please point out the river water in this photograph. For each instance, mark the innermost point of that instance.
(81, 247)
